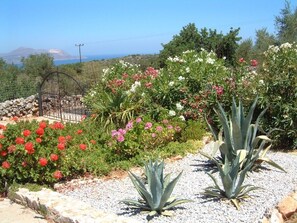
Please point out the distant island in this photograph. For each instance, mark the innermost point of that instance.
(16, 55)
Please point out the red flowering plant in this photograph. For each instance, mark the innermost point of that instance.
(43, 153)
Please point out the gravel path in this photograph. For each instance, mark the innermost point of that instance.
(105, 195)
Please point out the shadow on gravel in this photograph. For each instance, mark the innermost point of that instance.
(205, 199)
(128, 212)
(205, 166)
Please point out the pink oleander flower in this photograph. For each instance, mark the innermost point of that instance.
(114, 133)
(159, 128)
(241, 60)
(122, 131)
(129, 125)
(165, 121)
(169, 127)
(120, 138)
(148, 125)
(254, 63)
(138, 120)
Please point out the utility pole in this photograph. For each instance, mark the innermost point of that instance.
(79, 45)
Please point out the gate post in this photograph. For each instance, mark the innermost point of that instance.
(40, 101)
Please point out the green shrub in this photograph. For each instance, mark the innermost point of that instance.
(142, 135)
(279, 93)
(194, 130)
(44, 153)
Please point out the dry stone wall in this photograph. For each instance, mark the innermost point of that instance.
(19, 107)
(24, 107)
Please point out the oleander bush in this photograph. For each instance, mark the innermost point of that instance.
(278, 92)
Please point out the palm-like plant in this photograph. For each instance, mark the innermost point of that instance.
(156, 199)
(115, 109)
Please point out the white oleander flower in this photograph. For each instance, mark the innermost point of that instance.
(179, 106)
(171, 83)
(182, 118)
(210, 60)
(172, 113)
(199, 60)
(181, 78)
(286, 45)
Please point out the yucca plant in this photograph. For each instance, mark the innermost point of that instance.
(156, 198)
(115, 109)
(240, 137)
(232, 178)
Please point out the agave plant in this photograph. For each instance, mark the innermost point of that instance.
(156, 199)
(232, 178)
(240, 137)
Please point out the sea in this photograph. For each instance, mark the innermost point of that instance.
(89, 58)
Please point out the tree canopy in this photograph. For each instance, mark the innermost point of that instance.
(190, 38)
(286, 24)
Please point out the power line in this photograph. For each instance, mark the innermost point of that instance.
(79, 45)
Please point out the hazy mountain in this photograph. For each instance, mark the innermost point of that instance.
(16, 55)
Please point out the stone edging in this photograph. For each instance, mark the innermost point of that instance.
(63, 209)
(284, 210)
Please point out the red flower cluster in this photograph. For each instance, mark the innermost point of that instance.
(3, 153)
(3, 127)
(29, 147)
(83, 147)
(42, 125)
(57, 174)
(38, 140)
(241, 60)
(40, 131)
(57, 125)
(93, 141)
(219, 90)
(54, 157)
(26, 133)
(19, 140)
(5, 165)
(11, 148)
(61, 139)
(254, 63)
(43, 161)
(61, 146)
(150, 71)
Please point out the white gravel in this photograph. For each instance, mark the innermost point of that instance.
(105, 195)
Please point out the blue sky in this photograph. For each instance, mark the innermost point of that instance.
(124, 26)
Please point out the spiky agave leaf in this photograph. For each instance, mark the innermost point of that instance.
(168, 191)
(141, 189)
(157, 197)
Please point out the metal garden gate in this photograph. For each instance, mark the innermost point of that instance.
(60, 97)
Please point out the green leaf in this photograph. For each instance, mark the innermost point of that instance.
(177, 202)
(139, 186)
(168, 191)
(272, 163)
